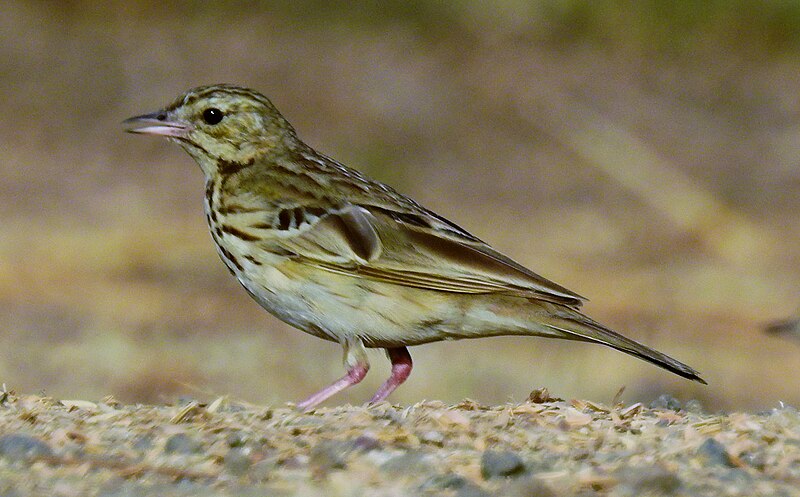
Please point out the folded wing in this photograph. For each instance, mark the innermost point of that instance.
(414, 248)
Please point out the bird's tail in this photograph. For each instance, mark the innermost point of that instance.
(573, 325)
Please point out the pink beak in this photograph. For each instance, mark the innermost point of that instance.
(156, 124)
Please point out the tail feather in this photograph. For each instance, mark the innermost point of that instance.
(577, 326)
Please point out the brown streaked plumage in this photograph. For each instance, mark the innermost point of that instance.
(349, 259)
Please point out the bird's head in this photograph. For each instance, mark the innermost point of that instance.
(220, 124)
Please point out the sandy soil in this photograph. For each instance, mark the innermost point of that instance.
(542, 447)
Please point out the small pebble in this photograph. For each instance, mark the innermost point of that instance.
(366, 443)
(501, 464)
(653, 480)
(23, 447)
(449, 481)
(390, 415)
(737, 477)
(143, 443)
(327, 456)
(237, 461)
(236, 439)
(666, 401)
(715, 453)
(432, 437)
(757, 460)
(694, 406)
(472, 490)
(529, 487)
(406, 463)
(297, 461)
(263, 470)
(182, 444)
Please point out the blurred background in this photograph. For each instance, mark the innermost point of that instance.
(645, 154)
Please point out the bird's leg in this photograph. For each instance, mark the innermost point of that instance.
(401, 369)
(355, 360)
(353, 376)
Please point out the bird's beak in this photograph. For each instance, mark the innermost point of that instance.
(157, 123)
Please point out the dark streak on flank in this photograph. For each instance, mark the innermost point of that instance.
(253, 260)
(227, 228)
(230, 258)
(211, 215)
(261, 226)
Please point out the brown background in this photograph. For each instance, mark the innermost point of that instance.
(646, 157)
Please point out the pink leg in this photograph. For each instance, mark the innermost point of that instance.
(354, 374)
(401, 369)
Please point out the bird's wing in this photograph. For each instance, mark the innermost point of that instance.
(411, 247)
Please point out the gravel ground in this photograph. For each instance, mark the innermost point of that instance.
(543, 447)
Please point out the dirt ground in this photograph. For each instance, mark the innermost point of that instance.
(542, 447)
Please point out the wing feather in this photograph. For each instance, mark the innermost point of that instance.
(416, 249)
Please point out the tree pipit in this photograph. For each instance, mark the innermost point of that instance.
(347, 258)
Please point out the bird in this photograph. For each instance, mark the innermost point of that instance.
(349, 259)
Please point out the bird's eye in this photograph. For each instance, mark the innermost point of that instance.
(212, 116)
